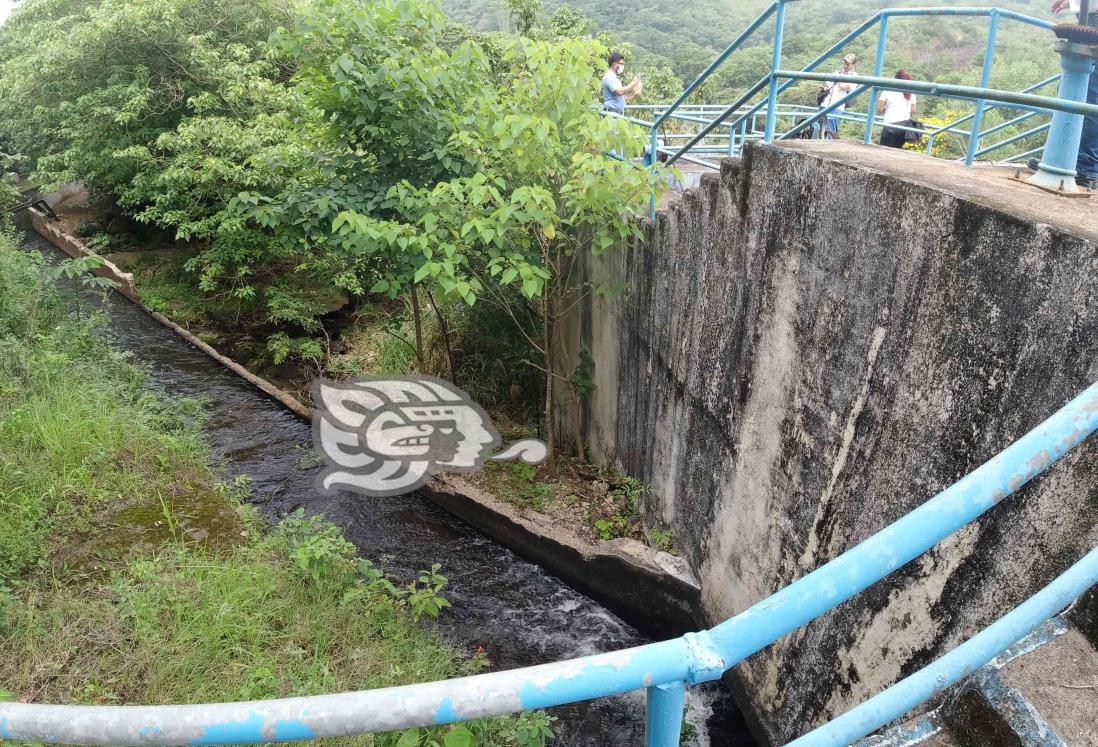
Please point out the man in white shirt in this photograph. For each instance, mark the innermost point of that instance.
(898, 108)
(837, 91)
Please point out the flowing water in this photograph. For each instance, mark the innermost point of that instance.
(515, 610)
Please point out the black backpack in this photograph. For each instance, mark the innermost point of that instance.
(914, 137)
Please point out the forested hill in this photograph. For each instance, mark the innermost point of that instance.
(686, 36)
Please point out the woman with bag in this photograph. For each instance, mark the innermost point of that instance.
(898, 109)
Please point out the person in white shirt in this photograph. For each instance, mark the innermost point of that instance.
(898, 108)
(837, 91)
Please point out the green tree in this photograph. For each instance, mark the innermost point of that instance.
(391, 98)
(524, 14)
(542, 195)
(570, 22)
(81, 81)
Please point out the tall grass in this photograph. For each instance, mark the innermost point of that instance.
(80, 438)
(87, 618)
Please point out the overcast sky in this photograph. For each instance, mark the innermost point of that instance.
(5, 8)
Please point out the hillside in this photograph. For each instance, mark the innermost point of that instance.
(687, 36)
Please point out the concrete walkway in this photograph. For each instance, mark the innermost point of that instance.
(992, 186)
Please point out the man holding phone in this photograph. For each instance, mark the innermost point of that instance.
(614, 94)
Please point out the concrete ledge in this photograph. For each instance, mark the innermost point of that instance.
(76, 248)
(654, 591)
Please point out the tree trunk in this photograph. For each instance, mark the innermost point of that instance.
(547, 342)
(577, 425)
(445, 326)
(575, 404)
(417, 318)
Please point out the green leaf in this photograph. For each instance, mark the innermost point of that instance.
(460, 736)
(409, 738)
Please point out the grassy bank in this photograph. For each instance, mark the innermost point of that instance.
(129, 573)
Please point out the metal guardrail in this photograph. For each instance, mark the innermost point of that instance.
(664, 669)
(37, 203)
(730, 142)
(962, 661)
(739, 119)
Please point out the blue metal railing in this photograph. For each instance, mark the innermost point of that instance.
(664, 669)
(734, 118)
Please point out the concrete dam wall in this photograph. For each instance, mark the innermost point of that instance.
(816, 341)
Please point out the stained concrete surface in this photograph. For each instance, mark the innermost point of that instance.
(988, 185)
(813, 343)
(1060, 680)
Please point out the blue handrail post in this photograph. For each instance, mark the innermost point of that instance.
(776, 64)
(985, 78)
(1057, 169)
(650, 158)
(664, 718)
(878, 71)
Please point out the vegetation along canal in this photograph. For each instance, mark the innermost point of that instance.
(513, 609)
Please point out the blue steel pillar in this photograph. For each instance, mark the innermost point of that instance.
(878, 71)
(665, 708)
(1057, 169)
(775, 65)
(651, 158)
(985, 78)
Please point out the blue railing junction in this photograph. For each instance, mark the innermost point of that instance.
(666, 669)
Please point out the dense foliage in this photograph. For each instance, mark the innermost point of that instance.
(307, 151)
(687, 36)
